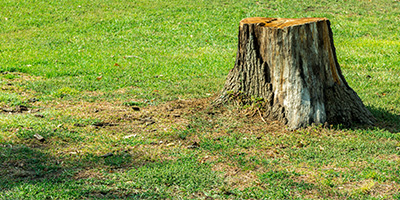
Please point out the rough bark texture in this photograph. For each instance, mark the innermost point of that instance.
(292, 64)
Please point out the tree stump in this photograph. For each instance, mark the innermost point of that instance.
(291, 64)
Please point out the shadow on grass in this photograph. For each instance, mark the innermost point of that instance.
(28, 172)
(385, 119)
(387, 125)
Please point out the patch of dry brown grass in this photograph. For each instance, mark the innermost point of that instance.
(151, 134)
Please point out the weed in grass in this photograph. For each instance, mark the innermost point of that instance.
(65, 91)
(134, 103)
(280, 184)
(11, 99)
(182, 177)
(29, 134)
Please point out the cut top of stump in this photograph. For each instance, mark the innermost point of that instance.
(279, 22)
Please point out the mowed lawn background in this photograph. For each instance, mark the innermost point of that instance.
(79, 67)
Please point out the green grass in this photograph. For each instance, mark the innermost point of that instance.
(77, 63)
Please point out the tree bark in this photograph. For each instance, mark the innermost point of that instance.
(291, 64)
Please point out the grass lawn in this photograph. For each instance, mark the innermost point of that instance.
(120, 91)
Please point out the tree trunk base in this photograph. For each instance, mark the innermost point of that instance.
(291, 64)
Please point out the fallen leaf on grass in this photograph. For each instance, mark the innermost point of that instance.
(107, 155)
(39, 115)
(195, 145)
(129, 136)
(102, 124)
(79, 125)
(135, 108)
(18, 109)
(39, 137)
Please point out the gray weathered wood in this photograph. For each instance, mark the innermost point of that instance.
(292, 64)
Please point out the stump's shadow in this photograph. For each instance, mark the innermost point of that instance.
(386, 120)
